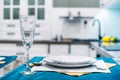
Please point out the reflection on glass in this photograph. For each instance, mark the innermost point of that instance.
(31, 11)
(31, 2)
(16, 2)
(6, 13)
(16, 13)
(41, 13)
(41, 2)
(6, 2)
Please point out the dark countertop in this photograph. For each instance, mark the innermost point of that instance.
(64, 41)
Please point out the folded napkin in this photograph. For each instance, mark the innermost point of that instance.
(2, 62)
(2, 58)
(109, 65)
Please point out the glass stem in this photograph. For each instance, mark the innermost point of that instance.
(27, 62)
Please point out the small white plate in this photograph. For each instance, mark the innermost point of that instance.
(69, 61)
(2, 58)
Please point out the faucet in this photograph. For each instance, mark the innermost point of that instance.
(99, 25)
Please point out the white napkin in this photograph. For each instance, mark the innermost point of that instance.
(2, 58)
(85, 69)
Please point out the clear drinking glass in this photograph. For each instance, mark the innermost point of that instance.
(27, 29)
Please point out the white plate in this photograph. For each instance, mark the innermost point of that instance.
(69, 61)
(2, 58)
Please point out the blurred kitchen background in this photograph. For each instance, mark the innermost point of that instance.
(63, 27)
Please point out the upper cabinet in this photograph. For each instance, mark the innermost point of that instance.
(76, 3)
(115, 4)
(86, 3)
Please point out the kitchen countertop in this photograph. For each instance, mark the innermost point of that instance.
(53, 41)
(107, 53)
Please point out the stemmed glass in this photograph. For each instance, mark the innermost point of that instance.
(27, 29)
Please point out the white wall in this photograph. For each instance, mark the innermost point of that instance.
(110, 22)
(74, 29)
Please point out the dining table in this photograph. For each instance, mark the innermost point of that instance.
(15, 74)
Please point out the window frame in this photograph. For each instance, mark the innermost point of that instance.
(11, 7)
(36, 6)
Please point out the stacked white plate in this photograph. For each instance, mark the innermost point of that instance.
(69, 61)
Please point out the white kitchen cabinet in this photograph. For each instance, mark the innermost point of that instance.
(10, 31)
(42, 32)
(59, 49)
(45, 49)
(35, 50)
(80, 50)
(7, 49)
(10, 27)
(39, 50)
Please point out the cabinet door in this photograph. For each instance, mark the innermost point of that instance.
(7, 49)
(35, 50)
(58, 49)
(39, 50)
(10, 31)
(42, 32)
(80, 50)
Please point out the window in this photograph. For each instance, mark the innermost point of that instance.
(41, 13)
(11, 9)
(16, 13)
(31, 2)
(6, 2)
(16, 2)
(41, 2)
(6, 13)
(31, 11)
(36, 7)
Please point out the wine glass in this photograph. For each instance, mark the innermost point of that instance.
(27, 29)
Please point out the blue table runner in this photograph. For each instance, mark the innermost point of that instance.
(45, 75)
(8, 59)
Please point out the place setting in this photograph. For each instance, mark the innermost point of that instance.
(71, 65)
(2, 60)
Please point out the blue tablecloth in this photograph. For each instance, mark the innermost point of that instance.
(15, 74)
(8, 59)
